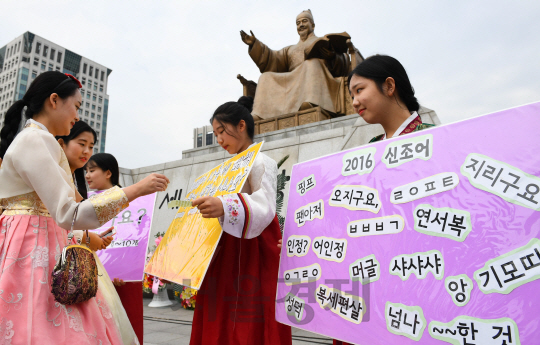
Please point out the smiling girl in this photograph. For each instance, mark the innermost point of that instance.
(102, 173)
(382, 93)
(236, 302)
(78, 147)
(37, 204)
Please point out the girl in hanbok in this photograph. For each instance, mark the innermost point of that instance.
(236, 302)
(382, 93)
(78, 147)
(38, 201)
(102, 173)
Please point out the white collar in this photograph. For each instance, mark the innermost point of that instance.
(404, 125)
(39, 124)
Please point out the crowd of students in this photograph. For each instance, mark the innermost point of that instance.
(46, 164)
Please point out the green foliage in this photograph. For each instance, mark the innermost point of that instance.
(281, 220)
(280, 163)
(282, 180)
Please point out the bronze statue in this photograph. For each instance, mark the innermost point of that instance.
(309, 73)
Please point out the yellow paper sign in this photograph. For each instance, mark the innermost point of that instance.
(184, 254)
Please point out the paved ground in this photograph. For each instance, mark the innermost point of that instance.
(172, 325)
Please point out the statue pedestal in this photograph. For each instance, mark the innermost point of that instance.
(161, 299)
(299, 118)
(301, 143)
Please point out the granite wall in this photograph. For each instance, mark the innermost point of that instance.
(300, 143)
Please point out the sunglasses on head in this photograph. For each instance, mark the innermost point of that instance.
(70, 77)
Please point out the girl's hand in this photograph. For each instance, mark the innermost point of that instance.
(280, 243)
(209, 206)
(96, 242)
(102, 235)
(106, 241)
(118, 282)
(150, 184)
(153, 183)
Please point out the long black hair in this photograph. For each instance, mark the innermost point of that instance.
(234, 112)
(380, 67)
(106, 161)
(79, 128)
(41, 89)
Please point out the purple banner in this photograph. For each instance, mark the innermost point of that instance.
(430, 237)
(125, 257)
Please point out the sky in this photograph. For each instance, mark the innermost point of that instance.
(174, 62)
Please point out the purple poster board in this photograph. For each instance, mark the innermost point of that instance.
(430, 237)
(125, 257)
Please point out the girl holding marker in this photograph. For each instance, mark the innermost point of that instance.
(78, 147)
(37, 204)
(236, 302)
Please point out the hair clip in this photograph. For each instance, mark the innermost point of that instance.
(70, 77)
(76, 80)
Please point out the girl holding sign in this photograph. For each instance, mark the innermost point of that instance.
(102, 173)
(382, 93)
(237, 296)
(37, 204)
(78, 147)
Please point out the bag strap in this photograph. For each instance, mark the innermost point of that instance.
(70, 235)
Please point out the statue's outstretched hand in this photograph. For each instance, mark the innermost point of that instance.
(247, 39)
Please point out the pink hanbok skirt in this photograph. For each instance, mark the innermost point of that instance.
(29, 249)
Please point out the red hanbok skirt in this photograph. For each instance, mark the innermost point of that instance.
(131, 296)
(236, 302)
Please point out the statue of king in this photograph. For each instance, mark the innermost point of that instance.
(291, 81)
